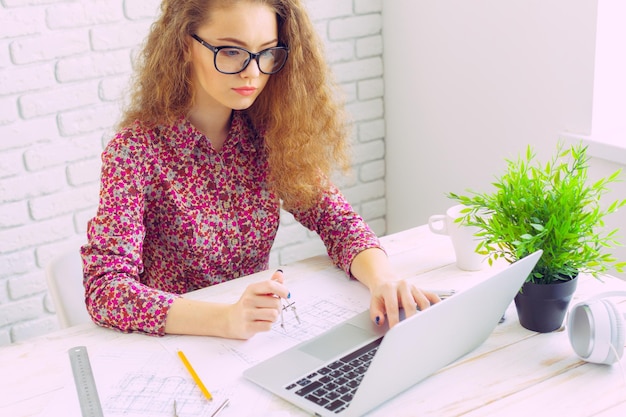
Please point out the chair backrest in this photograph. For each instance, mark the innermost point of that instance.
(65, 284)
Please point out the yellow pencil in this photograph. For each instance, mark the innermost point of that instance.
(195, 376)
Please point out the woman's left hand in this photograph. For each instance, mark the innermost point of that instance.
(389, 293)
(389, 296)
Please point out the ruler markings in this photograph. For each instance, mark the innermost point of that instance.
(85, 383)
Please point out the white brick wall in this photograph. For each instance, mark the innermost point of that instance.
(64, 69)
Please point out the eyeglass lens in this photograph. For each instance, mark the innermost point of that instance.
(233, 60)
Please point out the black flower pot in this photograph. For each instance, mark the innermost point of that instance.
(542, 307)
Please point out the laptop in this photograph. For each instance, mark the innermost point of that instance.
(356, 365)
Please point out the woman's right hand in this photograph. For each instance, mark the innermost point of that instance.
(258, 308)
(256, 311)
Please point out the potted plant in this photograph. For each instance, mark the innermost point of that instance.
(551, 207)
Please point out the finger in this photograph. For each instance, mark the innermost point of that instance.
(252, 300)
(377, 313)
(377, 307)
(266, 301)
(278, 276)
(392, 308)
(267, 315)
(262, 312)
(253, 327)
(407, 295)
(270, 287)
(421, 300)
(432, 297)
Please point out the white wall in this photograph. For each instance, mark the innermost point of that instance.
(469, 83)
(609, 90)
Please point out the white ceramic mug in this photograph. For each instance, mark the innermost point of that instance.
(463, 238)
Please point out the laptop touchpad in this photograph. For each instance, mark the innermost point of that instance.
(336, 341)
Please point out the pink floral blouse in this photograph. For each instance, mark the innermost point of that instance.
(175, 216)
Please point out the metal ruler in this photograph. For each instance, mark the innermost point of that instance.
(85, 384)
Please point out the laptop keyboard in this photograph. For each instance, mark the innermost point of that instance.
(333, 385)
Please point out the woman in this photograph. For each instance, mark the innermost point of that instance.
(231, 113)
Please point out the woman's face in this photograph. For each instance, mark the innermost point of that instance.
(248, 25)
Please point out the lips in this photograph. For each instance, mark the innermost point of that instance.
(245, 91)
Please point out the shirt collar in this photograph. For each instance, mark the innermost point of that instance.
(242, 133)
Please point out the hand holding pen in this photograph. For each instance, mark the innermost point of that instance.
(258, 308)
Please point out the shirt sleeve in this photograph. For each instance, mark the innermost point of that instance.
(114, 295)
(343, 231)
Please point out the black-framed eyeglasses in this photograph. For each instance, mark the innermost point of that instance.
(234, 59)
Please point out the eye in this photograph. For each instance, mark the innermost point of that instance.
(231, 52)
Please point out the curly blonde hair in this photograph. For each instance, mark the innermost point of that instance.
(305, 127)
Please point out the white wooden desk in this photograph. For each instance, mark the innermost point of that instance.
(514, 372)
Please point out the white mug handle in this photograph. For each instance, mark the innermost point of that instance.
(437, 224)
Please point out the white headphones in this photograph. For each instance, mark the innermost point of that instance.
(596, 329)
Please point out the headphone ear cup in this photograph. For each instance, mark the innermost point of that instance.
(596, 331)
(581, 330)
(617, 333)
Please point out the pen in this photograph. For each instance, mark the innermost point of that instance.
(195, 376)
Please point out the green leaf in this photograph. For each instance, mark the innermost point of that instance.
(550, 206)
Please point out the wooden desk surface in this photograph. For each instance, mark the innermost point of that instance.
(515, 371)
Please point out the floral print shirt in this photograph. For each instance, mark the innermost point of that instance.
(175, 215)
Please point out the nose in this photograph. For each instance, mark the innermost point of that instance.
(251, 70)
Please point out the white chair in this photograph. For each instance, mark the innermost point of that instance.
(64, 275)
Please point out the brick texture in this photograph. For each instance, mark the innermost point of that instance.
(64, 70)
